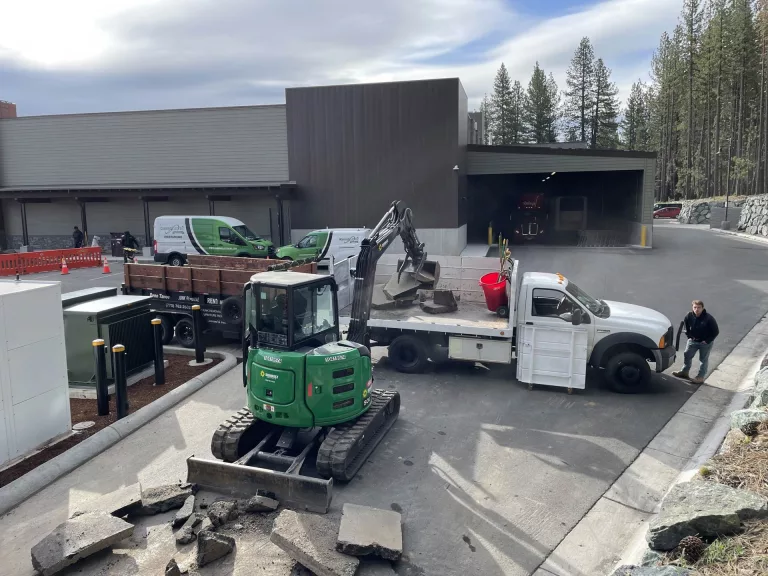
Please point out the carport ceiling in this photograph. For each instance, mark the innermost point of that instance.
(484, 160)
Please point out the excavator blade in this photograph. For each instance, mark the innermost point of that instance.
(242, 481)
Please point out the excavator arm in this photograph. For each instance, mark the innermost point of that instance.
(394, 223)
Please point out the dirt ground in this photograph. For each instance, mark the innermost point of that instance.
(140, 394)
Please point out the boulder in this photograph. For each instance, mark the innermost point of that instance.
(740, 418)
(651, 571)
(78, 538)
(212, 546)
(704, 509)
(695, 212)
(222, 511)
(760, 393)
(733, 439)
(754, 215)
(651, 558)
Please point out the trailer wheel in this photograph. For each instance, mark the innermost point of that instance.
(185, 332)
(627, 373)
(166, 329)
(232, 310)
(408, 354)
(176, 260)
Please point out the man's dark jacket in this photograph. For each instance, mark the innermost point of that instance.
(701, 328)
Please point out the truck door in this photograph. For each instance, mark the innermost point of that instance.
(551, 351)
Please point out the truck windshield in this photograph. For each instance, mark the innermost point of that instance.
(595, 306)
(246, 233)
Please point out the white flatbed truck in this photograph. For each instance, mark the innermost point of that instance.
(554, 329)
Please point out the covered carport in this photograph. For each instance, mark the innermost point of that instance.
(560, 196)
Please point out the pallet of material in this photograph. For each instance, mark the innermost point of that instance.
(250, 264)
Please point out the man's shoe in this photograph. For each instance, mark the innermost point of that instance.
(698, 380)
(681, 374)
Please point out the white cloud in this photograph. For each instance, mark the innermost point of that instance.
(218, 52)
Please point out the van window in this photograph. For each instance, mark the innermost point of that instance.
(246, 233)
(225, 234)
(308, 242)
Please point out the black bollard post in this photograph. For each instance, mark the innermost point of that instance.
(159, 364)
(121, 386)
(197, 321)
(102, 389)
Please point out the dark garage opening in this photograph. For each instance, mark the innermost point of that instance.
(560, 208)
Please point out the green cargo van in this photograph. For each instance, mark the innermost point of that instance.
(322, 245)
(177, 236)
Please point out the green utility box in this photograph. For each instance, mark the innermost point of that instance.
(122, 320)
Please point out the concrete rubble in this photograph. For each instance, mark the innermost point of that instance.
(406, 286)
(163, 498)
(222, 511)
(260, 503)
(212, 546)
(368, 531)
(651, 571)
(189, 530)
(375, 568)
(185, 511)
(78, 538)
(704, 509)
(121, 502)
(311, 540)
(172, 568)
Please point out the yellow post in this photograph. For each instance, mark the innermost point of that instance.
(490, 234)
(644, 236)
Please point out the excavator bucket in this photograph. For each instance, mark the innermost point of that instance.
(242, 481)
(425, 272)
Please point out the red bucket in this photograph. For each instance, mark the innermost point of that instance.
(495, 291)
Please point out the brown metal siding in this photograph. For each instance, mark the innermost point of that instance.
(354, 149)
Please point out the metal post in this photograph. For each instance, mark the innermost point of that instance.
(102, 389)
(121, 386)
(147, 226)
(197, 321)
(159, 363)
(24, 230)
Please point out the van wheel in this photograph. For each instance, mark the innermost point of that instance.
(176, 260)
(627, 373)
(185, 332)
(232, 310)
(408, 354)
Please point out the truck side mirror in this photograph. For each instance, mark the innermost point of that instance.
(576, 317)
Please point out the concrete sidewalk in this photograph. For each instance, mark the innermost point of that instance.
(153, 455)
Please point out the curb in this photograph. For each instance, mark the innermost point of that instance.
(35, 480)
(754, 237)
(707, 449)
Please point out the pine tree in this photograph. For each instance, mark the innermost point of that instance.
(634, 126)
(517, 127)
(606, 109)
(501, 108)
(578, 105)
(485, 110)
(540, 109)
(692, 20)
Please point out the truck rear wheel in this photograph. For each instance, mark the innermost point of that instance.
(166, 329)
(627, 373)
(176, 260)
(408, 354)
(185, 332)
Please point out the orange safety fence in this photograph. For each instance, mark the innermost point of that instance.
(49, 260)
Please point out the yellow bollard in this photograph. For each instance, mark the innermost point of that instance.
(644, 236)
(490, 235)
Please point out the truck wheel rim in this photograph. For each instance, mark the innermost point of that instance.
(630, 374)
(407, 356)
(186, 333)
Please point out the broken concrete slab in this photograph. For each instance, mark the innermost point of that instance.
(299, 570)
(311, 540)
(380, 301)
(222, 511)
(432, 308)
(406, 286)
(375, 567)
(206, 526)
(185, 511)
(212, 546)
(163, 498)
(187, 533)
(366, 531)
(702, 508)
(121, 502)
(261, 504)
(78, 538)
(172, 568)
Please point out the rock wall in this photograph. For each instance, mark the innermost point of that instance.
(695, 212)
(754, 215)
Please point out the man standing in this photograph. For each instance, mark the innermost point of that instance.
(130, 246)
(701, 330)
(77, 237)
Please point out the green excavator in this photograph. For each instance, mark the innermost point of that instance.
(312, 414)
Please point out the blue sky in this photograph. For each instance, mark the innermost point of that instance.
(91, 55)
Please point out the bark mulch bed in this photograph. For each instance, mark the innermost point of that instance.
(140, 394)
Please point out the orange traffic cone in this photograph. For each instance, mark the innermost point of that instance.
(106, 269)
(64, 267)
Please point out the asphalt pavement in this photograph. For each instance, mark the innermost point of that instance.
(488, 475)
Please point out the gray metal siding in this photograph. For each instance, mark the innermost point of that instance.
(354, 149)
(649, 185)
(215, 145)
(500, 163)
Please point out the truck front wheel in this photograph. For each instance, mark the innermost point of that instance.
(408, 354)
(627, 373)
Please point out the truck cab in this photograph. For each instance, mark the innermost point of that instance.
(561, 329)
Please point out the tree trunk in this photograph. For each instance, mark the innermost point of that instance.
(719, 106)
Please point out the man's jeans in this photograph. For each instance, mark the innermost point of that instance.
(690, 351)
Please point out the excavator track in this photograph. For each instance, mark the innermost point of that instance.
(348, 445)
(237, 435)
